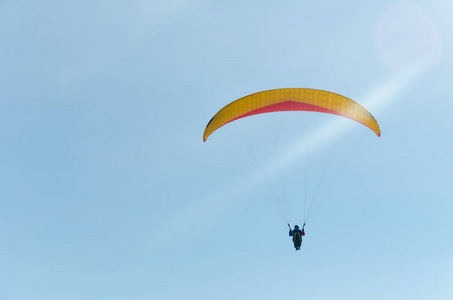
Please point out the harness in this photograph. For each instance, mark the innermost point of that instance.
(297, 236)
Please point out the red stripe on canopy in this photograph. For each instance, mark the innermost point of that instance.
(287, 106)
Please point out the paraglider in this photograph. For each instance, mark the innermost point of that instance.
(297, 235)
(292, 99)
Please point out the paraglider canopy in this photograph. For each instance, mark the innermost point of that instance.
(292, 99)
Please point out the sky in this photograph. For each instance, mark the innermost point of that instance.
(107, 190)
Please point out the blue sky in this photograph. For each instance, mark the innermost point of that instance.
(107, 190)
